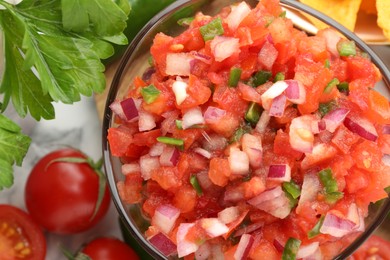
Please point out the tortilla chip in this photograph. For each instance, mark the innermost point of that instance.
(383, 7)
(368, 6)
(343, 11)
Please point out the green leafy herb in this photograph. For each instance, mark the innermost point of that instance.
(259, 78)
(346, 48)
(195, 184)
(234, 77)
(325, 108)
(212, 29)
(253, 113)
(343, 87)
(291, 249)
(331, 191)
(279, 76)
(334, 82)
(150, 93)
(316, 229)
(327, 64)
(171, 141)
(239, 133)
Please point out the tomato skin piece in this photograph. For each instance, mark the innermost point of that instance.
(61, 196)
(375, 247)
(16, 218)
(106, 248)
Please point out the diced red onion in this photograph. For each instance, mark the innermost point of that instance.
(275, 90)
(278, 245)
(310, 188)
(386, 129)
(192, 117)
(157, 149)
(204, 252)
(238, 13)
(201, 57)
(204, 180)
(203, 152)
(266, 195)
(335, 225)
(267, 55)
(129, 168)
(164, 218)
(170, 156)
(233, 195)
(362, 127)
(295, 91)
(277, 106)
(179, 88)
(168, 125)
(229, 214)
(263, 122)
(253, 148)
(317, 126)
(301, 136)
(248, 229)
(223, 47)
(244, 247)
(248, 93)
(213, 227)
(279, 172)
(216, 252)
(238, 162)
(212, 114)
(307, 250)
(178, 64)
(335, 118)
(214, 142)
(354, 214)
(148, 164)
(163, 244)
(269, 38)
(126, 109)
(386, 159)
(185, 247)
(148, 73)
(117, 109)
(146, 121)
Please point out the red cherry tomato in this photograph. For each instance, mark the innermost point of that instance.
(375, 247)
(20, 236)
(109, 249)
(61, 196)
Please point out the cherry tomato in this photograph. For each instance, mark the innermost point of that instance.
(20, 236)
(61, 195)
(375, 247)
(109, 249)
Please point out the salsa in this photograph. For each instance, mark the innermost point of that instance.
(247, 138)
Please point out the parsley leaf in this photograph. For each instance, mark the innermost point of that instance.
(13, 147)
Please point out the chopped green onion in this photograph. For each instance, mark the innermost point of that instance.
(253, 113)
(279, 76)
(259, 78)
(327, 64)
(332, 193)
(179, 124)
(234, 77)
(346, 48)
(171, 141)
(293, 202)
(195, 184)
(343, 87)
(334, 82)
(150, 93)
(239, 133)
(186, 21)
(292, 188)
(291, 249)
(325, 108)
(316, 229)
(212, 29)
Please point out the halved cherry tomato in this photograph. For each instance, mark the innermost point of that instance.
(20, 236)
(109, 249)
(374, 248)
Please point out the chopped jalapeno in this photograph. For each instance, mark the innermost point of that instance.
(292, 188)
(253, 113)
(212, 29)
(327, 64)
(186, 21)
(195, 184)
(171, 141)
(334, 82)
(150, 93)
(343, 87)
(259, 78)
(346, 48)
(279, 76)
(316, 229)
(325, 108)
(179, 124)
(234, 77)
(291, 249)
(332, 193)
(239, 133)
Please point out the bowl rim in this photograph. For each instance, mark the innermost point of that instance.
(114, 87)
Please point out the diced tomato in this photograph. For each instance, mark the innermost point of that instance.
(119, 139)
(219, 171)
(282, 145)
(161, 44)
(361, 68)
(226, 125)
(356, 180)
(148, 138)
(379, 108)
(189, 136)
(264, 250)
(229, 99)
(281, 30)
(191, 39)
(130, 189)
(185, 198)
(367, 156)
(343, 139)
(321, 153)
(339, 68)
(198, 93)
(167, 177)
(316, 46)
(359, 94)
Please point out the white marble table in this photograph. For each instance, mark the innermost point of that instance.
(76, 125)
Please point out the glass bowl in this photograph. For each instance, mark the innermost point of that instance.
(135, 61)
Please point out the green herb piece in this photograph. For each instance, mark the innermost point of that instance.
(279, 76)
(171, 141)
(334, 82)
(327, 64)
(253, 113)
(332, 193)
(150, 93)
(234, 77)
(346, 48)
(13, 148)
(212, 29)
(283, 14)
(186, 21)
(195, 184)
(316, 229)
(291, 249)
(292, 202)
(325, 108)
(292, 188)
(343, 87)
(239, 133)
(259, 78)
(151, 61)
(179, 124)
